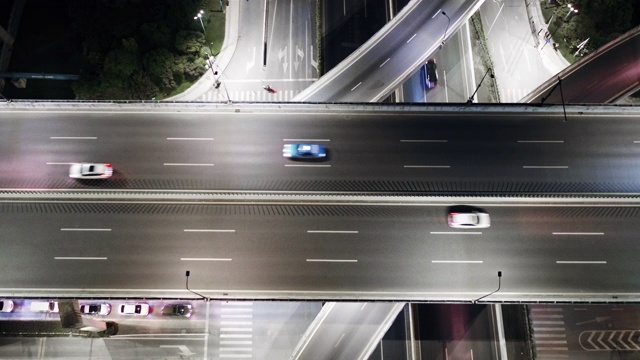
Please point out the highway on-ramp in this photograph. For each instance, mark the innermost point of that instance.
(391, 56)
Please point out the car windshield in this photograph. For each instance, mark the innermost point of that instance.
(94, 308)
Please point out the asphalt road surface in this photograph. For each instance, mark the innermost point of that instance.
(586, 332)
(603, 76)
(427, 152)
(383, 63)
(316, 251)
(241, 329)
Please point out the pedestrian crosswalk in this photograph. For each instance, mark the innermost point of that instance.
(236, 330)
(513, 95)
(220, 95)
(550, 338)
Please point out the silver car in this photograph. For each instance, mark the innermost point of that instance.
(90, 171)
(6, 306)
(95, 309)
(183, 310)
(471, 219)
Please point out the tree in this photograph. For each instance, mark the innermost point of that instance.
(159, 64)
(189, 42)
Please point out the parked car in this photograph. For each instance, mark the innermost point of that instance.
(134, 309)
(469, 219)
(6, 306)
(431, 73)
(304, 151)
(184, 310)
(95, 309)
(45, 306)
(90, 171)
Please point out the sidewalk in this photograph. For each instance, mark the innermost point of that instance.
(205, 83)
(521, 61)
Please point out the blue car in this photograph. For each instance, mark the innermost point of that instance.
(304, 151)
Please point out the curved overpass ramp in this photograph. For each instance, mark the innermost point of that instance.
(604, 76)
(389, 58)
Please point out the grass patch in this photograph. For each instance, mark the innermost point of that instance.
(214, 22)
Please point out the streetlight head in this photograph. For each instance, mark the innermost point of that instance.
(188, 273)
(201, 12)
(444, 13)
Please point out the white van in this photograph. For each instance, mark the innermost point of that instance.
(45, 306)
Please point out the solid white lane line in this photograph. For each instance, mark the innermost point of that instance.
(333, 260)
(428, 166)
(205, 259)
(456, 261)
(60, 163)
(210, 230)
(305, 165)
(142, 337)
(339, 340)
(636, 141)
(312, 140)
(236, 336)
(332, 231)
(223, 348)
(86, 229)
(227, 309)
(541, 141)
(424, 141)
(577, 233)
(236, 329)
(355, 87)
(545, 167)
(78, 258)
(186, 164)
(456, 233)
(580, 262)
(411, 38)
(191, 139)
(437, 13)
(73, 137)
(386, 61)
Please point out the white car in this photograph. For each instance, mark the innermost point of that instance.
(6, 306)
(45, 306)
(134, 309)
(95, 309)
(471, 219)
(90, 171)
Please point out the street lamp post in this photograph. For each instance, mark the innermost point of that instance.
(199, 16)
(571, 10)
(480, 84)
(196, 293)
(447, 28)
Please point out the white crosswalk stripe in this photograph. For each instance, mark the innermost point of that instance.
(549, 334)
(236, 330)
(513, 95)
(248, 96)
